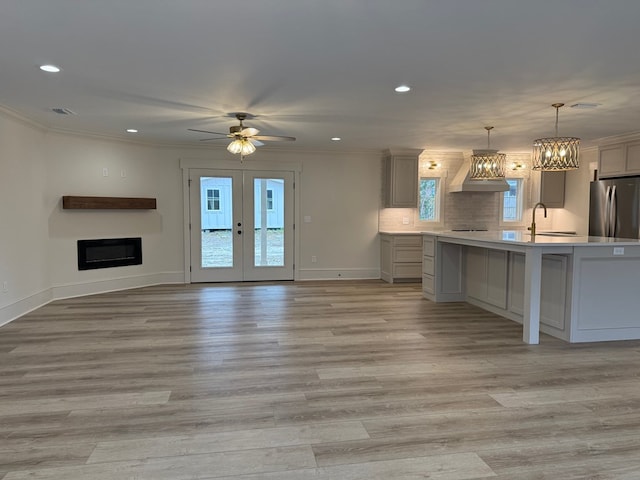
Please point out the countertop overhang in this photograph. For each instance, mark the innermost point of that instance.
(525, 239)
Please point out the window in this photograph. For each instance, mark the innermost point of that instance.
(429, 207)
(213, 199)
(269, 199)
(512, 201)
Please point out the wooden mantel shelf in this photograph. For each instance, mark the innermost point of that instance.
(113, 203)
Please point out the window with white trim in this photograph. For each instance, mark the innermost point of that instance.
(512, 201)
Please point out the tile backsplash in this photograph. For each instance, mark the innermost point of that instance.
(460, 209)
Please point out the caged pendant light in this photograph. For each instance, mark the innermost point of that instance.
(553, 154)
(487, 164)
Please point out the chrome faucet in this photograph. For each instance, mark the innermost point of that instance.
(532, 228)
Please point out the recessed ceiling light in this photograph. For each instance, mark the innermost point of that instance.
(132, 130)
(336, 139)
(63, 111)
(403, 88)
(50, 68)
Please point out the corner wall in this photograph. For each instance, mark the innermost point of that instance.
(24, 276)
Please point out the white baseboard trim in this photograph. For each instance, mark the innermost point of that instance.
(338, 274)
(22, 307)
(112, 285)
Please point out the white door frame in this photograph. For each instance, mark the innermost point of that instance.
(187, 164)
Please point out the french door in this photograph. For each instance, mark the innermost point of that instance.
(241, 225)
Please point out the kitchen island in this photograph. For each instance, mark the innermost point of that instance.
(577, 288)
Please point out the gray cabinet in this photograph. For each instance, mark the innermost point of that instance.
(619, 160)
(487, 276)
(428, 265)
(401, 178)
(400, 257)
(548, 188)
(553, 291)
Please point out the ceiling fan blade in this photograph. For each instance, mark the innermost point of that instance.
(249, 132)
(257, 143)
(208, 131)
(274, 138)
(215, 138)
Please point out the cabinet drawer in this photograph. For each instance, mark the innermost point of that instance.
(428, 265)
(428, 284)
(407, 240)
(407, 270)
(407, 254)
(429, 246)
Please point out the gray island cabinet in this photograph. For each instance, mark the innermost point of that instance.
(579, 289)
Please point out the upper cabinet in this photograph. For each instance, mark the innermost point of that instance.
(548, 188)
(401, 178)
(619, 159)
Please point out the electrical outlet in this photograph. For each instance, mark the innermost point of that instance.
(314, 259)
(5, 287)
(618, 250)
(405, 220)
(105, 172)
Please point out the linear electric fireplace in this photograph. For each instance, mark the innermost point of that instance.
(109, 252)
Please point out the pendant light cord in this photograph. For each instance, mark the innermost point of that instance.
(557, 107)
(488, 129)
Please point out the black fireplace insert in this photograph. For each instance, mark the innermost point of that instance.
(109, 252)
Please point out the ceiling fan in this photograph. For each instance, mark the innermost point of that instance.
(245, 139)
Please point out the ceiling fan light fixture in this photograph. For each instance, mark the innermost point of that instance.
(241, 146)
(487, 164)
(556, 154)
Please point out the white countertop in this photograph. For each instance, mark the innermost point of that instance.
(400, 232)
(521, 237)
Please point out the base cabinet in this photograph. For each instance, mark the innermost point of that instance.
(495, 280)
(400, 257)
(487, 275)
(553, 293)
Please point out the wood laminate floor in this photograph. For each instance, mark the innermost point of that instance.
(324, 381)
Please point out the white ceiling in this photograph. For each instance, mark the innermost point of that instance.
(315, 69)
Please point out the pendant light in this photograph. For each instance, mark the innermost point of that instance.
(487, 164)
(556, 153)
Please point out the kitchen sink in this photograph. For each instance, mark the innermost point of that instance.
(555, 234)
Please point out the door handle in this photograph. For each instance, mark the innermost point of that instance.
(606, 214)
(613, 211)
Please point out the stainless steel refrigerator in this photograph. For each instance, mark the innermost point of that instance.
(614, 208)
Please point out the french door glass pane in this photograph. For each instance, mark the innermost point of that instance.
(268, 221)
(217, 222)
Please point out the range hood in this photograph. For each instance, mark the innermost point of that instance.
(462, 182)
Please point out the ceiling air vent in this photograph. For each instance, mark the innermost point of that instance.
(63, 111)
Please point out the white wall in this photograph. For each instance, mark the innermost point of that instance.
(575, 214)
(75, 166)
(339, 191)
(24, 276)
